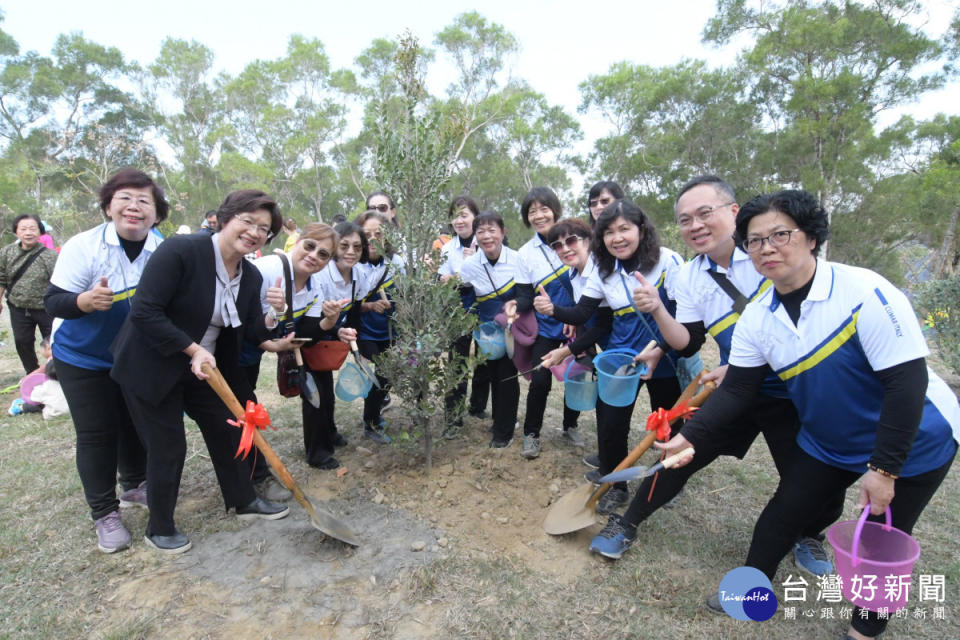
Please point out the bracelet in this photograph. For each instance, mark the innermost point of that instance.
(272, 313)
(885, 474)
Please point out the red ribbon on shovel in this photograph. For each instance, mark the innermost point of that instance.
(659, 421)
(255, 416)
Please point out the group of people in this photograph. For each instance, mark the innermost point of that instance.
(825, 360)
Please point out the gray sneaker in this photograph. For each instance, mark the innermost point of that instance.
(111, 534)
(136, 497)
(531, 447)
(573, 435)
(271, 490)
(612, 500)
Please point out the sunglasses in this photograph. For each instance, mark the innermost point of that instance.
(570, 242)
(310, 246)
(382, 208)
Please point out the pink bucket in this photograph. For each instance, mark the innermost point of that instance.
(29, 383)
(873, 554)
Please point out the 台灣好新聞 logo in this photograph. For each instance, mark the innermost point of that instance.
(746, 594)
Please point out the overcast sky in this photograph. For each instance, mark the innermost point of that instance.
(562, 41)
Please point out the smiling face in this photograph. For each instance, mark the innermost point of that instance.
(382, 204)
(311, 256)
(572, 251)
(371, 229)
(245, 233)
(349, 251)
(541, 217)
(133, 212)
(27, 232)
(622, 238)
(600, 203)
(463, 223)
(789, 267)
(490, 240)
(707, 220)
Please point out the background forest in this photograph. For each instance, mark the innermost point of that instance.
(801, 106)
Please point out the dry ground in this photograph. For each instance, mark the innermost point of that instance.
(486, 568)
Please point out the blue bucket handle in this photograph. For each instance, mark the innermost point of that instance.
(855, 559)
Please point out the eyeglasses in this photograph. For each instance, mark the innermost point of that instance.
(125, 200)
(356, 247)
(311, 245)
(703, 215)
(570, 242)
(250, 224)
(776, 239)
(382, 208)
(600, 202)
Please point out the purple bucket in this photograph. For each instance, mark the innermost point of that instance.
(867, 553)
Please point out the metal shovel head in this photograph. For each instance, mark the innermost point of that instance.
(328, 524)
(571, 513)
(508, 342)
(626, 475)
(308, 388)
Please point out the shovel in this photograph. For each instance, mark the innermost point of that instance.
(360, 363)
(631, 368)
(308, 386)
(578, 509)
(319, 518)
(634, 473)
(508, 340)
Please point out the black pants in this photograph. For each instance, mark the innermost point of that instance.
(777, 419)
(505, 397)
(803, 488)
(613, 423)
(479, 385)
(319, 429)
(161, 428)
(374, 400)
(24, 323)
(246, 390)
(107, 443)
(541, 381)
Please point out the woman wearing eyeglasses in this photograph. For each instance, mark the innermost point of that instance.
(197, 300)
(601, 195)
(541, 270)
(848, 346)
(625, 242)
(91, 290)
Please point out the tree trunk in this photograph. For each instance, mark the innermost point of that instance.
(947, 249)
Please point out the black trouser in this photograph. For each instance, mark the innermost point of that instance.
(161, 428)
(24, 323)
(374, 400)
(259, 469)
(777, 419)
(613, 423)
(107, 443)
(319, 429)
(803, 489)
(540, 382)
(505, 397)
(479, 386)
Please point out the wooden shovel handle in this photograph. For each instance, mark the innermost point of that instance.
(298, 356)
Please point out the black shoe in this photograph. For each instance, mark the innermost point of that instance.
(386, 404)
(327, 465)
(593, 476)
(260, 508)
(500, 444)
(592, 461)
(612, 500)
(478, 413)
(339, 440)
(177, 543)
(714, 606)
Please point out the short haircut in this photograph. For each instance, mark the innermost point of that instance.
(801, 206)
(290, 224)
(129, 177)
(373, 214)
(348, 228)
(320, 231)
(604, 185)
(648, 251)
(248, 201)
(719, 184)
(544, 196)
(338, 218)
(487, 218)
(29, 216)
(569, 227)
(463, 201)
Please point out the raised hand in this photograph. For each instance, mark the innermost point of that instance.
(646, 298)
(542, 302)
(275, 296)
(100, 298)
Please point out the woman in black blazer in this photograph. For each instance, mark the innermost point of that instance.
(196, 301)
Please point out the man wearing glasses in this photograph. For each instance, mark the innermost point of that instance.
(711, 291)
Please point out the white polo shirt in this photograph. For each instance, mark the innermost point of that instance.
(334, 286)
(853, 323)
(84, 259)
(492, 284)
(540, 266)
(628, 331)
(308, 301)
(452, 252)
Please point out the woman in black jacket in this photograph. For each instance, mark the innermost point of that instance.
(197, 300)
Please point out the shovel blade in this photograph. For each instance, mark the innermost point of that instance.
(626, 475)
(328, 524)
(571, 513)
(308, 389)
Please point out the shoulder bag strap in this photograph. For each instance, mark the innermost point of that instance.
(626, 290)
(23, 269)
(739, 300)
(566, 283)
(288, 284)
(492, 284)
(383, 278)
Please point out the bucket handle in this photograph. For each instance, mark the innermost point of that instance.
(855, 559)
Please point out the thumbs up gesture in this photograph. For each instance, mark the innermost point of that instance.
(100, 298)
(646, 298)
(542, 302)
(275, 296)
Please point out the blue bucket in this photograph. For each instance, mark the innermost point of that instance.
(617, 391)
(490, 339)
(580, 394)
(352, 383)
